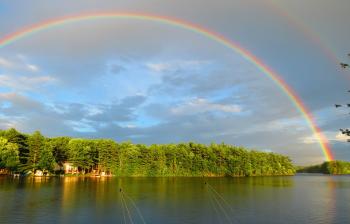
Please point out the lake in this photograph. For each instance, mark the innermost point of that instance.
(295, 199)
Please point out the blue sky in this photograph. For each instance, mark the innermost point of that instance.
(153, 83)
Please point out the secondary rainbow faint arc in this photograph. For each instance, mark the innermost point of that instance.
(277, 79)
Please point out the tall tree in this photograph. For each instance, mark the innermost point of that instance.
(9, 154)
(107, 154)
(46, 159)
(35, 145)
(81, 154)
(13, 136)
(60, 149)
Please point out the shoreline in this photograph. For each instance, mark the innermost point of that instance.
(141, 176)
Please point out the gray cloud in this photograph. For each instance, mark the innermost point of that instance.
(18, 105)
(116, 69)
(122, 111)
(62, 119)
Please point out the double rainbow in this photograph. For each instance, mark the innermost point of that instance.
(277, 79)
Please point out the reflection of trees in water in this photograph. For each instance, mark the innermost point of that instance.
(271, 181)
(183, 200)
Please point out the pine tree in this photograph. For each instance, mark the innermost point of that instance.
(35, 145)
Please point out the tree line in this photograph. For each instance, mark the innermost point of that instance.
(27, 153)
(331, 167)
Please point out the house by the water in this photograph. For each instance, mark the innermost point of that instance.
(69, 168)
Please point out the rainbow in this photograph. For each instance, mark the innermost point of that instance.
(282, 85)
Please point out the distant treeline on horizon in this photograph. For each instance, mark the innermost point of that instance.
(329, 167)
(27, 153)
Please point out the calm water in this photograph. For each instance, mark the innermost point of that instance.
(299, 199)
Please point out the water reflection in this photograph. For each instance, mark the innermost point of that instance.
(300, 199)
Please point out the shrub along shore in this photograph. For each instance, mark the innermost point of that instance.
(25, 153)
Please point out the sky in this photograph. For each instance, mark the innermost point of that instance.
(149, 82)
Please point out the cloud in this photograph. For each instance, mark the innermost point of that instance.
(7, 124)
(70, 111)
(32, 67)
(331, 136)
(25, 83)
(82, 126)
(341, 137)
(199, 105)
(312, 139)
(74, 119)
(119, 111)
(19, 104)
(18, 63)
(158, 67)
(116, 69)
(171, 66)
(5, 63)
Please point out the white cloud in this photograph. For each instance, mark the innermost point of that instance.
(24, 83)
(32, 67)
(199, 105)
(5, 63)
(312, 139)
(341, 137)
(6, 123)
(175, 65)
(158, 67)
(80, 126)
(127, 125)
(19, 63)
(295, 123)
(331, 137)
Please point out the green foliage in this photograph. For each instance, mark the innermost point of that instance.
(13, 136)
(46, 158)
(107, 154)
(336, 167)
(192, 159)
(80, 153)
(128, 159)
(35, 145)
(331, 167)
(9, 154)
(60, 149)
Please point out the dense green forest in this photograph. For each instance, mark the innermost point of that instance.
(331, 167)
(28, 153)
